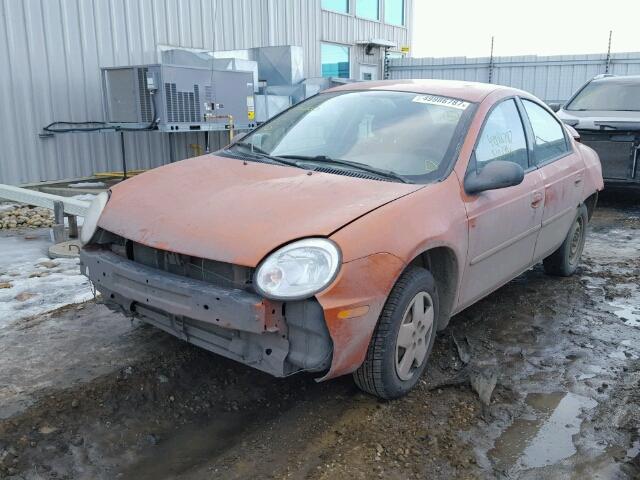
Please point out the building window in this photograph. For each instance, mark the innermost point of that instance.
(341, 6)
(369, 9)
(394, 12)
(335, 60)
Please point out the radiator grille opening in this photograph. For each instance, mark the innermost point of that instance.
(221, 274)
(616, 151)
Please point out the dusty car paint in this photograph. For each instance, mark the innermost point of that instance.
(226, 210)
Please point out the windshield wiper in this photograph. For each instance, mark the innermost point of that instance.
(260, 153)
(348, 163)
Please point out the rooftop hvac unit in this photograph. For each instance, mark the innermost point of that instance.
(181, 98)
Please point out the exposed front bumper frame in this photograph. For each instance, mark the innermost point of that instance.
(234, 323)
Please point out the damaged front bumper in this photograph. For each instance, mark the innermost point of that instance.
(278, 338)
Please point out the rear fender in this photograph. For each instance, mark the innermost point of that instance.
(593, 181)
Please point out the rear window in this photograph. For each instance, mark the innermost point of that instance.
(608, 96)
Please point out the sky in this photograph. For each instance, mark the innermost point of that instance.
(532, 27)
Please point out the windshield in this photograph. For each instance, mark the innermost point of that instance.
(409, 134)
(608, 96)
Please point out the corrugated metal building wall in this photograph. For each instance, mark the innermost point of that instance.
(51, 53)
(552, 78)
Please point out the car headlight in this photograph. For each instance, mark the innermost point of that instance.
(298, 270)
(90, 223)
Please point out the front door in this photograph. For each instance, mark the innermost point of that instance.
(562, 173)
(504, 223)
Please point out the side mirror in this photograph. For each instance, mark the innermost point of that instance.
(494, 175)
(555, 106)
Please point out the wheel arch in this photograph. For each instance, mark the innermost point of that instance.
(591, 202)
(443, 264)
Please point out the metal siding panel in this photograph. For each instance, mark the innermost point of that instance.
(551, 78)
(53, 50)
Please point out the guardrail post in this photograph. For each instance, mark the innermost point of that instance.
(73, 226)
(58, 227)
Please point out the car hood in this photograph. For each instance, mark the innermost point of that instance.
(592, 119)
(233, 211)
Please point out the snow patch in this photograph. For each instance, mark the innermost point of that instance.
(88, 185)
(36, 283)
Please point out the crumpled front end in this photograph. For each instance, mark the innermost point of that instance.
(209, 304)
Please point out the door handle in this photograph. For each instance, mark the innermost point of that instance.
(577, 180)
(536, 199)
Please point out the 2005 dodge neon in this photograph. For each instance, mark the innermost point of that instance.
(339, 236)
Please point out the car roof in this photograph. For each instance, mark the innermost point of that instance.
(468, 91)
(619, 79)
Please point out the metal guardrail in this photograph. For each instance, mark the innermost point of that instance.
(71, 206)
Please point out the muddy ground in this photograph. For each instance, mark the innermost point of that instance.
(85, 393)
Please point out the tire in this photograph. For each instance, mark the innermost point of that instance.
(387, 372)
(565, 260)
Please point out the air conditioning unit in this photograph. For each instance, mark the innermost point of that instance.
(181, 98)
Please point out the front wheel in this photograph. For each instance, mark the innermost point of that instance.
(564, 261)
(403, 338)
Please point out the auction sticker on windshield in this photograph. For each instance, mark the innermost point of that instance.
(442, 101)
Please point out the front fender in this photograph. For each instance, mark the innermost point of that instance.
(364, 282)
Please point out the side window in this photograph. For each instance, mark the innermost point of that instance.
(503, 137)
(550, 141)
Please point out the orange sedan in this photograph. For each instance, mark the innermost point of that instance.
(339, 236)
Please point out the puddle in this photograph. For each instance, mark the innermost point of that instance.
(544, 438)
(190, 446)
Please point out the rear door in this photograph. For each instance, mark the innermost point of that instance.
(503, 223)
(562, 171)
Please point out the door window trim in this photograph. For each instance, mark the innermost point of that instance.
(529, 132)
(472, 165)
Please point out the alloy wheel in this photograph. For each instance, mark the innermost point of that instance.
(413, 336)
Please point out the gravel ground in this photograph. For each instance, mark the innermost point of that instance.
(15, 216)
(87, 394)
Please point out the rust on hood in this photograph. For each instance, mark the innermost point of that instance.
(233, 211)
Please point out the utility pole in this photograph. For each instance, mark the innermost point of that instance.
(608, 63)
(491, 62)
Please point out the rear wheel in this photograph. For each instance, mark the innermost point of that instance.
(565, 260)
(403, 339)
